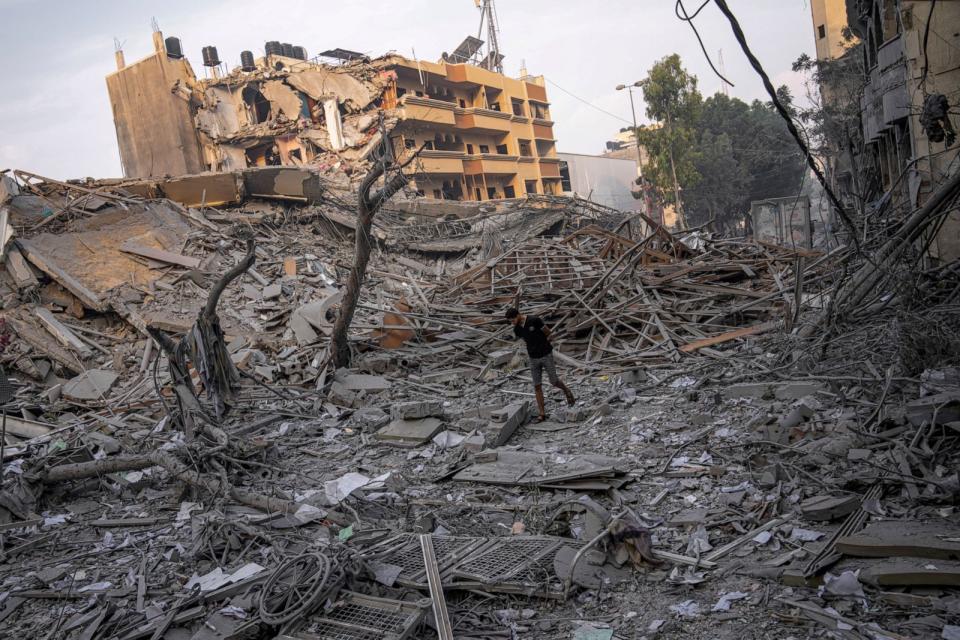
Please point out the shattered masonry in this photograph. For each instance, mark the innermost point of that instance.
(483, 135)
(725, 461)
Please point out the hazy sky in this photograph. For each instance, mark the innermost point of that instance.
(55, 117)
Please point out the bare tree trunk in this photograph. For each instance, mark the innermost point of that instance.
(367, 207)
(180, 471)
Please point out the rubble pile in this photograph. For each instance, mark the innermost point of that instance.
(743, 459)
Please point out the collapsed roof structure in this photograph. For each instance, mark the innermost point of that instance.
(410, 494)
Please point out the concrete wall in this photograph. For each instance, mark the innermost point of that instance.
(607, 181)
(155, 128)
(832, 16)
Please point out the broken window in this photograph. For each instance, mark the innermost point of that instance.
(540, 112)
(821, 32)
(463, 103)
(492, 193)
(484, 149)
(525, 149)
(509, 191)
(565, 183)
(518, 109)
(257, 106)
(470, 149)
(409, 143)
(502, 149)
(530, 186)
(428, 145)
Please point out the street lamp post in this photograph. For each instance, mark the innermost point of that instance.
(633, 112)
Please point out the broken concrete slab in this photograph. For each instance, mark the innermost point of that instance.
(363, 382)
(826, 508)
(890, 538)
(93, 384)
(796, 390)
(507, 420)
(756, 390)
(409, 433)
(416, 409)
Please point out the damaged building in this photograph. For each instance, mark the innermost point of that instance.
(481, 135)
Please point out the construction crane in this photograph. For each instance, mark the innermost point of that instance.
(488, 16)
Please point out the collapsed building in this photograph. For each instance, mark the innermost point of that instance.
(481, 135)
(764, 443)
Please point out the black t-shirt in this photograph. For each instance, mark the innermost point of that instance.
(532, 333)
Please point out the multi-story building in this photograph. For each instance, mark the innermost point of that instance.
(829, 27)
(481, 134)
(911, 55)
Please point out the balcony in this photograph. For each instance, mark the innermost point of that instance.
(549, 167)
(473, 75)
(542, 131)
(483, 120)
(885, 98)
(536, 92)
(437, 162)
(492, 165)
(435, 112)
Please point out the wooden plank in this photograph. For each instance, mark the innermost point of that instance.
(27, 428)
(40, 341)
(61, 332)
(68, 282)
(19, 270)
(160, 255)
(728, 336)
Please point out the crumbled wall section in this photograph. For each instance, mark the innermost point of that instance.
(154, 125)
(304, 113)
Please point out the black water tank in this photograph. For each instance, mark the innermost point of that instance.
(247, 63)
(274, 48)
(210, 58)
(287, 49)
(172, 45)
(300, 53)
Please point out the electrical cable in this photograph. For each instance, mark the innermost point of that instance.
(572, 95)
(689, 20)
(926, 34)
(791, 127)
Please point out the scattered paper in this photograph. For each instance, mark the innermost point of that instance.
(448, 439)
(805, 535)
(384, 573)
(338, 490)
(846, 584)
(686, 609)
(699, 542)
(217, 578)
(309, 513)
(763, 537)
(723, 604)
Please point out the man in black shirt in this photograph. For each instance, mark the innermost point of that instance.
(540, 352)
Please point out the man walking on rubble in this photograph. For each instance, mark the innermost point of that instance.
(540, 352)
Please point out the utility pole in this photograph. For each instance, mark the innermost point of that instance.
(633, 111)
(681, 221)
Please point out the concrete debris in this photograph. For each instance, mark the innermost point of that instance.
(733, 465)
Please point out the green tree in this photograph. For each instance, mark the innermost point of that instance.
(674, 102)
(760, 146)
(719, 193)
